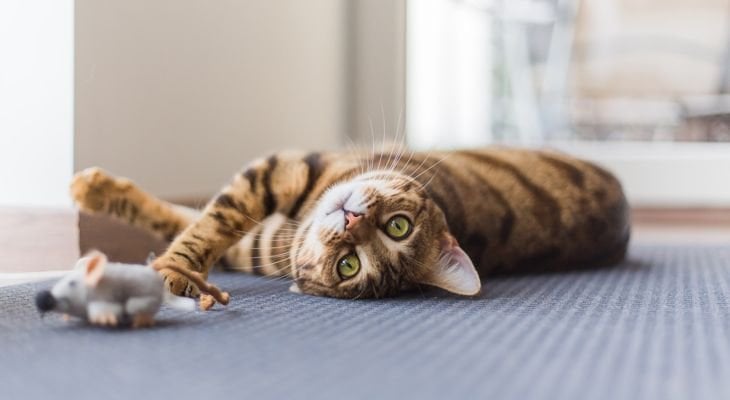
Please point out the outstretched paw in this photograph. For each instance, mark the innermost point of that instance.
(178, 284)
(93, 189)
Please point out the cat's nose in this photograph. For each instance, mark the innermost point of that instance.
(351, 220)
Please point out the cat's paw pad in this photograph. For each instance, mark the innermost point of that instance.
(92, 189)
(179, 285)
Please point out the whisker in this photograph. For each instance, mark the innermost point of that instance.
(433, 165)
(382, 140)
(271, 248)
(371, 159)
(425, 157)
(257, 222)
(353, 149)
(280, 230)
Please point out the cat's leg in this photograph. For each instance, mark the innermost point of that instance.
(263, 251)
(277, 184)
(96, 192)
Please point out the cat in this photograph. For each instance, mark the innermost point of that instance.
(352, 225)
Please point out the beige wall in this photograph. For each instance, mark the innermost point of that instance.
(179, 94)
(376, 56)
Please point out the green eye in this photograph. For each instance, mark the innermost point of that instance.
(398, 227)
(348, 266)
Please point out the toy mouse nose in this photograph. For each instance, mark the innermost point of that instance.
(351, 219)
(45, 301)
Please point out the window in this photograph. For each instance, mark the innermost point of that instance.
(641, 87)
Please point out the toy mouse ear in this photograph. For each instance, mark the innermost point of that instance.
(95, 262)
(454, 271)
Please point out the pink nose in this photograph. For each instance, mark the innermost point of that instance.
(351, 219)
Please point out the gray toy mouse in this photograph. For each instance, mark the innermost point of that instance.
(109, 294)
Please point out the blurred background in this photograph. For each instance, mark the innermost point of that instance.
(179, 94)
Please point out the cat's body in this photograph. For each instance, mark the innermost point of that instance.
(303, 215)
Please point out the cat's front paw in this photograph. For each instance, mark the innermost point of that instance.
(93, 188)
(178, 284)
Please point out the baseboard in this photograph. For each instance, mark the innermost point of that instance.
(682, 216)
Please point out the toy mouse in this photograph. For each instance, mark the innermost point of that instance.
(109, 294)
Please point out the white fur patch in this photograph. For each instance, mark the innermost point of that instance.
(311, 243)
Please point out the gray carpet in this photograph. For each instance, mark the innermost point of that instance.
(657, 327)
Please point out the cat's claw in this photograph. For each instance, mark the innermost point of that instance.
(179, 285)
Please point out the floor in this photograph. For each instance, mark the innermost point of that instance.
(698, 226)
(36, 239)
(36, 243)
(654, 327)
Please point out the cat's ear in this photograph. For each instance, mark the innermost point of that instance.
(93, 265)
(454, 271)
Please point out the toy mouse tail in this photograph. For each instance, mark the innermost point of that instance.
(205, 287)
(178, 303)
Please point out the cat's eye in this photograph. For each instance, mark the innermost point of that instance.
(398, 227)
(348, 266)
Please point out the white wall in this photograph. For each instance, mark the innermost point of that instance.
(179, 94)
(36, 102)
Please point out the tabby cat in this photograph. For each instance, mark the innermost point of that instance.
(353, 225)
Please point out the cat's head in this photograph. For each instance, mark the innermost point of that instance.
(374, 236)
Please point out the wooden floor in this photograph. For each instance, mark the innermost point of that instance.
(34, 239)
(682, 226)
(37, 242)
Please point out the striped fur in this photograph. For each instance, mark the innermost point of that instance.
(510, 210)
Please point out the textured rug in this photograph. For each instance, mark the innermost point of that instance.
(656, 327)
